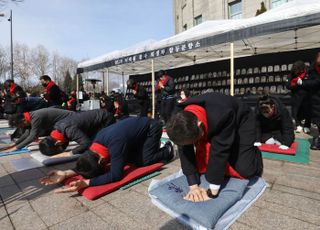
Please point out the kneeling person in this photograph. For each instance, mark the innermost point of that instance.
(79, 127)
(132, 140)
(274, 123)
(215, 133)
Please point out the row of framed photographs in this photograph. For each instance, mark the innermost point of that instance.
(272, 89)
(238, 80)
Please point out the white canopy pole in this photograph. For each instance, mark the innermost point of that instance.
(103, 81)
(153, 89)
(231, 70)
(123, 87)
(107, 82)
(77, 88)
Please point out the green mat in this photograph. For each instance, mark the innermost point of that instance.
(302, 155)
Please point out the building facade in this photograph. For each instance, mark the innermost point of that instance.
(189, 13)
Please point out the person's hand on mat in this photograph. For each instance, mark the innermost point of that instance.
(63, 154)
(54, 177)
(257, 144)
(10, 149)
(283, 147)
(7, 144)
(196, 194)
(73, 186)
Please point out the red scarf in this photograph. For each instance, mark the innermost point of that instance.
(183, 100)
(49, 86)
(58, 136)
(294, 81)
(203, 146)
(12, 87)
(163, 81)
(317, 68)
(101, 150)
(27, 117)
(136, 87)
(70, 102)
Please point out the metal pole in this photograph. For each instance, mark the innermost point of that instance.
(107, 82)
(123, 84)
(231, 70)
(153, 89)
(10, 19)
(77, 76)
(103, 81)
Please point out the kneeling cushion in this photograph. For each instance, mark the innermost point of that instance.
(170, 195)
(130, 173)
(275, 149)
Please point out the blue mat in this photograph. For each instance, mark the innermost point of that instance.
(23, 150)
(6, 128)
(235, 197)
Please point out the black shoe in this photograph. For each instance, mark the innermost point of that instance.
(171, 150)
(315, 145)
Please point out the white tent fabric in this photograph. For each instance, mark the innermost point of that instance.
(292, 26)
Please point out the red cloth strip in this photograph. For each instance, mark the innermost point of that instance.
(101, 150)
(58, 136)
(27, 117)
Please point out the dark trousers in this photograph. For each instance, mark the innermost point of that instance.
(300, 111)
(151, 152)
(167, 107)
(249, 161)
(144, 108)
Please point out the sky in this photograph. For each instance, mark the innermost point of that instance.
(83, 29)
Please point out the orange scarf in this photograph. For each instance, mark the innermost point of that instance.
(203, 146)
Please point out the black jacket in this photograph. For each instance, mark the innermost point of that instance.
(300, 99)
(42, 122)
(231, 132)
(279, 126)
(82, 127)
(168, 90)
(312, 85)
(55, 96)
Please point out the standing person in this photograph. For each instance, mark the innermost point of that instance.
(300, 99)
(53, 94)
(184, 95)
(72, 101)
(274, 123)
(79, 127)
(312, 85)
(36, 124)
(132, 140)
(216, 134)
(140, 93)
(166, 87)
(120, 107)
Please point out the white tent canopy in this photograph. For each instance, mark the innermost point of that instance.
(292, 26)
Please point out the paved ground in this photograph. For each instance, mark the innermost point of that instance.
(291, 202)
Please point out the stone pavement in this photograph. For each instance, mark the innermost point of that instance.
(291, 202)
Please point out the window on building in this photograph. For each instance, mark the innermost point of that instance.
(276, 3)
(235, 10)
(185, 27)
(198, 20)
